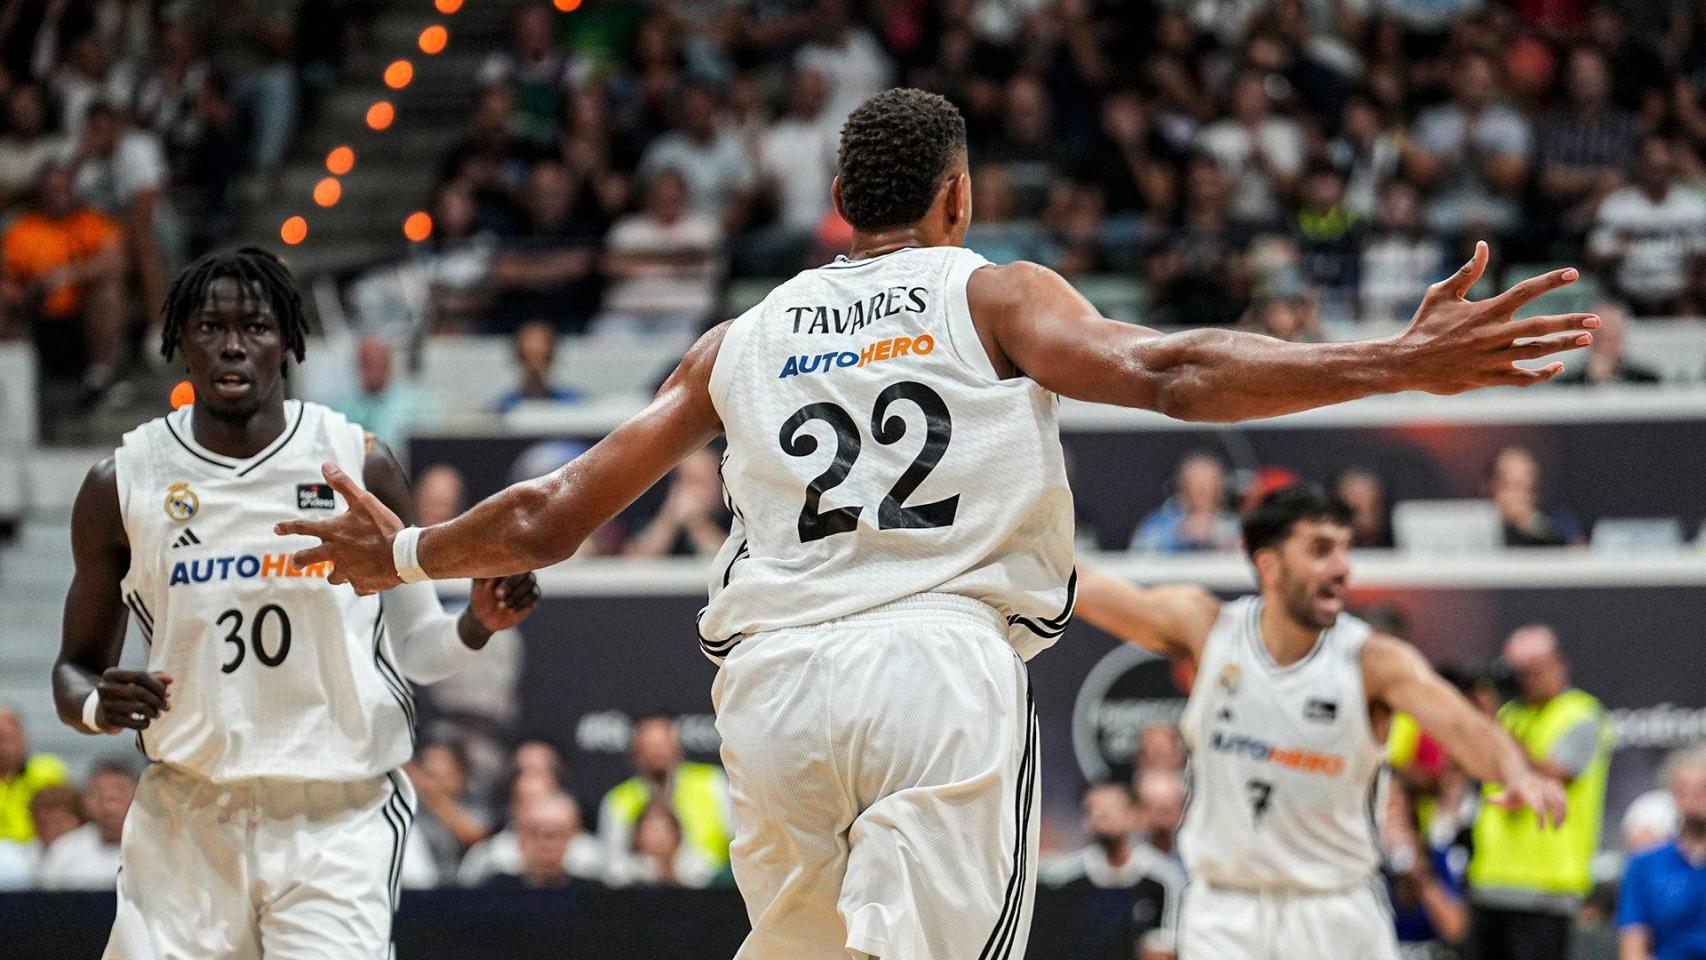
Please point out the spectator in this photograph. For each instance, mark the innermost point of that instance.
(1527, 879)
(854, 66)
(1400, 258)
(1130, 173)
(582, 856)
(27, 147)
(57, 811)
(1371, 515)
(697, 793)
(544, 830)
(998, 233)
(1423, 882)
(62, 280)
(1650, 237)
(489, 161)
(538, 76)
(1650, 821)
(1329, 238)
(1026, 145)
(1261, 151)
(550, 269)
(448, 820)
(1161, 810)
(1659, 913)
(1159, 747)
(86, 77)
(664, 264)
(692, 521)
(712, 162)
(1284, 310)
(1606, 362)
(1140, 918)
(1585, 146)
(796, 163)
(1198, 272)
(535, 354)
(658, 857)
(257, 49)
(439, 495)
(187, 105)
(1368, 150)
(22, 775)
(388, 408)
(87, 858)
(1514, 478)
(1195, 518)
(1473, 152)
(121, 171)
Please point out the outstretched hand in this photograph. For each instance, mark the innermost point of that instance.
(1454, 344)
(1542, 794)
(357, 541)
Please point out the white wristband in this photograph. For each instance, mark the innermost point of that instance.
(91, 707)
(404, 555)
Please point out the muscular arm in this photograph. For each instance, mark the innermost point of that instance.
(537, 522)
(92, 632)
(1034, 323)
(1396, 674)
(1172, 621)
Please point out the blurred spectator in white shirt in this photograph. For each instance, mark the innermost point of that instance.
(711, 161)
(664, 264)
(1260, 151)
(121, 171)
(852, 62)
(1473, 151)
(658, 857)
(1650, 237)
(87, 858)
(500, 853)
(27, 148)
(1400, 258)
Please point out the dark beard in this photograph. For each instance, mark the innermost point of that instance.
(1300, 607)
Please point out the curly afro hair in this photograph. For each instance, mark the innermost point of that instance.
(895, 152)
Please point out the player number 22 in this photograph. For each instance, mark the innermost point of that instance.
(233, 621)
(893, 512)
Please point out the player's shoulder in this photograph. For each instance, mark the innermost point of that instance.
(998, 285)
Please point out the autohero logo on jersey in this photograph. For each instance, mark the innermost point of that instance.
(315, 496)
(892, 348)
(249, 566)
(1305, 761)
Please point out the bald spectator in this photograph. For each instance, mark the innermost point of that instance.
(544, 830)
(87, 858)
(1116, 862)
(388, 407)
(1659, 915)
(1514, 481)
(62, 282)
(535, 354)
(1195, 518)
(1161, 810)
(535, 799)
(22, 776)
(57, 811)
(1528, 879)
(692, 520)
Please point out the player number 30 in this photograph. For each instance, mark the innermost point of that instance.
(232, 620)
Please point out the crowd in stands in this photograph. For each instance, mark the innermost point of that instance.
(1278, 164)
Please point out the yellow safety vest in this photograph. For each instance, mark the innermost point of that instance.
(1513, 851)
(40, 770)
(696, 800)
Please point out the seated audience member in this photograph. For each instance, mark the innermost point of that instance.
(997, 232)
(796, 163)
(1161, 810)
(22, 775)
(697, 793)
(535, 352)
(548, 268)
(57, 811)
(62, 281)
(27, 147)
(87, 858)
(121, 171)
(1605, 361)
(1159, 747)
(1661, 913)
(500, 853)
(1423, 882)
(1199, 271)
(1650, 821)
(663, 266)
(712, 161)
(1127, 890)
(387, 407)
(1329, 238)
(1650, 237)
(692, 520)
(1195, 518)
(1400, 258)
(1514, 479)
(1371, 515)
(544, 829)
(440, 494)
(1585, 145)
(657, 856)
(1472, 151)
(446, 819)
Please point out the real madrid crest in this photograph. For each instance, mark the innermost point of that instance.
(1228, 679)
(181, 501)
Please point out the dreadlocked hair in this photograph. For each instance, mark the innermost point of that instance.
(256, 271)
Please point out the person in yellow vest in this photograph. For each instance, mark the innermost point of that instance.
(1526, 881)
(22, 776)
(697, 793)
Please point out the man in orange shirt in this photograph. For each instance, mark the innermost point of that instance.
(62, 277)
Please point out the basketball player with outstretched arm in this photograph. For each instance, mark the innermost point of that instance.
(1280, 839)
(276, 708)
(902, 539)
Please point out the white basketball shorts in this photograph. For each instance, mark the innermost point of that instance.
(883, 769)
(1217, 923)
(285, 869)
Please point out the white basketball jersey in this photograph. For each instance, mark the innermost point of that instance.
(873, 453)
(1284, 767)
(277, 673)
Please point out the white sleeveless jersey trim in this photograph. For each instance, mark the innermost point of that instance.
(277, 672)
(862, 387)
(1285, 767)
